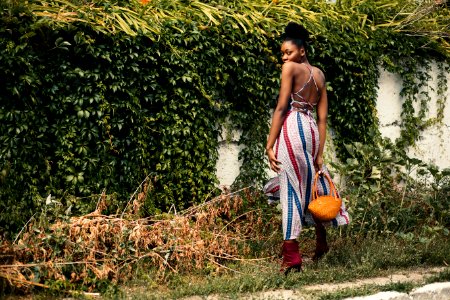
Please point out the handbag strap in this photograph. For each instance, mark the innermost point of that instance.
(333, 191)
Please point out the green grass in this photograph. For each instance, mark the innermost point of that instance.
(367, 290)
(350, 258)
(441, 277)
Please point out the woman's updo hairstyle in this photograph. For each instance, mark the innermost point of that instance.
(297, 34)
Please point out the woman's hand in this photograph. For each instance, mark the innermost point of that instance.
(318, 163)
(274, 162)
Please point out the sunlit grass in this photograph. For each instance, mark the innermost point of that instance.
(151, 17)
(350, 259)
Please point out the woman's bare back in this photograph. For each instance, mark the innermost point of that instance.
(308, 81)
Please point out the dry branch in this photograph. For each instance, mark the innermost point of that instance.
(103, 247)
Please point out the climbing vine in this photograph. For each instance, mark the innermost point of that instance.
(416, 89)
(101, 95)
(442, 87)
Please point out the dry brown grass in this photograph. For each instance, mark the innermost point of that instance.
(96, 247)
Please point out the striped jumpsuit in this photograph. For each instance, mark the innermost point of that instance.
(296, 148)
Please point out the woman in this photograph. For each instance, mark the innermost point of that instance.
(299, 142)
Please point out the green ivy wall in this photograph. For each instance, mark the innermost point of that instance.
(87, 108)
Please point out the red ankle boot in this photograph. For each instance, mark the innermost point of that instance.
(292, 259)
(321, 243)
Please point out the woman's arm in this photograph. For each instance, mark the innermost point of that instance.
(322, 115)
(279, 114)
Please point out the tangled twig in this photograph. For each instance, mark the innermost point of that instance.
(109, 247)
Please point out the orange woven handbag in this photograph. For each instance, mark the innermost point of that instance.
(326, 207)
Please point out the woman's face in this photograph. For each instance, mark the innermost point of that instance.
(291, 52)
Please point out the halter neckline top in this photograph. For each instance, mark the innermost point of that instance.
(304, 105)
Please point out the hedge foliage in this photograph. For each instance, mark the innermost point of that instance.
(98, 96)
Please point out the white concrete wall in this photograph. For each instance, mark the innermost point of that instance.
(433, 147)
(228, 163)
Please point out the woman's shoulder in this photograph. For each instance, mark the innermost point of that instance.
(318, 71)
(294, 68)
(319, 77)
(290, 65)
(290, 68)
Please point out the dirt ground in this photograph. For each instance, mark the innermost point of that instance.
(310, 292)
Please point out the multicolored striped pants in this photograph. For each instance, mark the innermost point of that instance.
(296, 148)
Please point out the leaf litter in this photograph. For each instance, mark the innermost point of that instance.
(83, 251)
